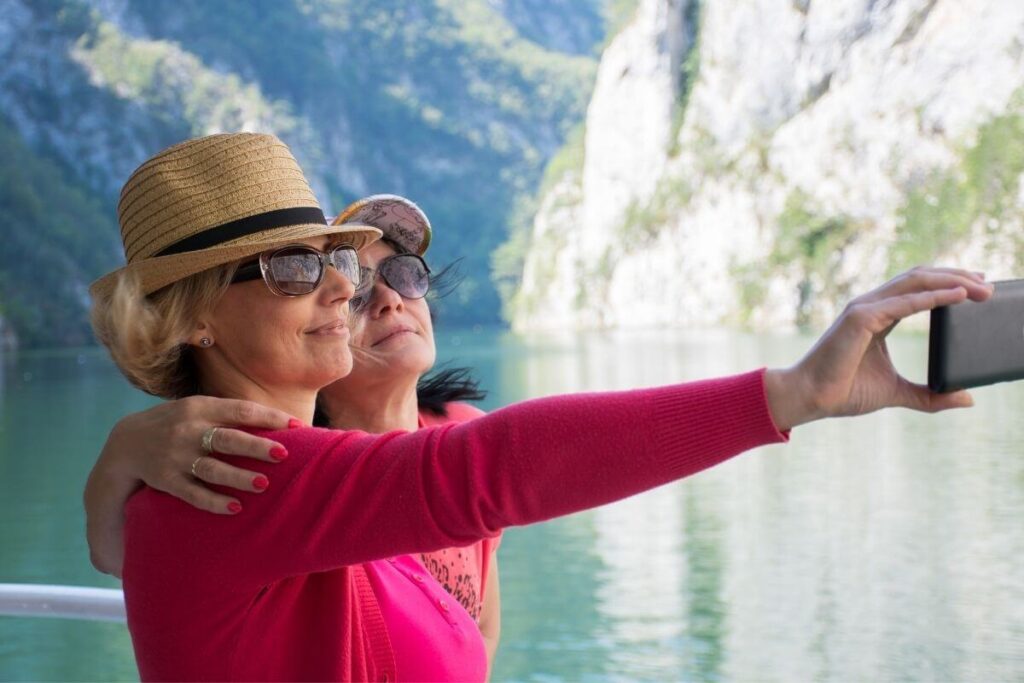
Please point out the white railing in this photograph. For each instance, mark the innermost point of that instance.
(65, 602)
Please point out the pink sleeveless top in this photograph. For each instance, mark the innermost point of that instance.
(432, 637)
(461, 571)
(431, 602)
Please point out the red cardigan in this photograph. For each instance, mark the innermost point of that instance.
(279, 592)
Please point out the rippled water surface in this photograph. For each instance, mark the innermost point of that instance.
(887, 547)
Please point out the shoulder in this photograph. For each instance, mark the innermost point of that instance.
(457, 412)
(303, 445)
(460, 412)
(303, 439)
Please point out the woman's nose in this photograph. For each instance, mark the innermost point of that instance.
(337, 285)
(383, 298)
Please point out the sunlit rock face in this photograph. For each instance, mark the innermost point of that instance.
(628, 132)
(760, 162)
(629, 120)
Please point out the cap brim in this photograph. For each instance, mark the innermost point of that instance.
(400, 219)
(156, 273)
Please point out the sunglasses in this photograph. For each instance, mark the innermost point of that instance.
(299, 269)
(407, 274)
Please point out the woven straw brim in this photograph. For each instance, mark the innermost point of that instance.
(158, 272)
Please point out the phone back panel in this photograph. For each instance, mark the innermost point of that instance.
(972, 344)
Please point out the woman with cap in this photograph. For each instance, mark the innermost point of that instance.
(235, 287)
(392, 345)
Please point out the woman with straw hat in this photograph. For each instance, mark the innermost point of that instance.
(235, 288)
(392, 347)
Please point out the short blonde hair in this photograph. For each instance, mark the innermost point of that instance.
(147, 335)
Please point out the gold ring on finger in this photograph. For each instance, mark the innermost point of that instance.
(207, 443)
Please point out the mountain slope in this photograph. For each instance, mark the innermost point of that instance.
(446, 102)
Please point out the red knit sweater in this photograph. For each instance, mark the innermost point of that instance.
(279, 591)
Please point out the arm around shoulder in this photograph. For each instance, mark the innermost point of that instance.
(351, 497)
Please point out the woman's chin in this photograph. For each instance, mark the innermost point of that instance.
(407, 349)
(344, 368)
(333, 366)
(414, 363)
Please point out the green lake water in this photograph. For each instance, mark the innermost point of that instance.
(888, 547)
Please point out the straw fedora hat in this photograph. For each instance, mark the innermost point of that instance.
(212, 200)
(398, 218)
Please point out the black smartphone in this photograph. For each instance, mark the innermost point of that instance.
(973, 344)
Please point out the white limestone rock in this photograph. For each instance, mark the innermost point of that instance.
(848, 105)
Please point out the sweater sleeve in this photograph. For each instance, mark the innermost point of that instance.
(345, 497)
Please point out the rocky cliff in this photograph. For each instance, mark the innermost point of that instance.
(758, 162)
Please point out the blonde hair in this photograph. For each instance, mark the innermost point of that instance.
(147, 335)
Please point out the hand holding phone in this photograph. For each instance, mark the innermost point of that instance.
(972, 344)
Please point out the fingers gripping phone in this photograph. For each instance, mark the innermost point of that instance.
(973, 344)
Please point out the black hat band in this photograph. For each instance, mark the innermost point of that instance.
(281, 218)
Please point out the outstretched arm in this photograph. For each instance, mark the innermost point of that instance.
(353, 497)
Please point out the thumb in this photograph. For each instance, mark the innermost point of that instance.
(920, 397)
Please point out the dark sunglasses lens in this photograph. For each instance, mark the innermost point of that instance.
(347, 262)
(407, 275)
(296, 271)
(363, 289)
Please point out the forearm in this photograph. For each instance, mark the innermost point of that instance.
(106, 492)
(788, 399)
(565, 454)
(491, 643)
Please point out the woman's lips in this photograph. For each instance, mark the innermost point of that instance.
(399, 331)
(335, 328)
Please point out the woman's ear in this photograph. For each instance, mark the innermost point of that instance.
(201, 336)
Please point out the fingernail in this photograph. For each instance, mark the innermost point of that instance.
(259, 482)
(295, 424)
(979, 274)
(278, 453)
(234, 507)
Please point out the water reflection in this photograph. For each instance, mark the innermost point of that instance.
(887, 547)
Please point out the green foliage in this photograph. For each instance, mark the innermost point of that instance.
(709, 157)
(442, 101)
(177, 85)
(445, 102)
(617, 15)
(545, 263)
(594, 283)
(749, 279)
(940, 211)
(508, 260)
(570, 26)
(643, 221)
(809, 238)
(995, 163)
(937, 214)
(57, 239)
(812, 243)
(689, 72)
(567, 160)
